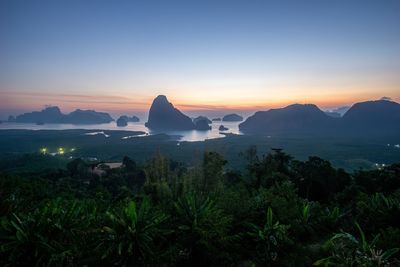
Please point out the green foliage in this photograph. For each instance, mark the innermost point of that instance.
(78, 167)
(348, 250)
(318, 180)
(130, 236)
(51, 235)
(213, 173)
(269, 239)
(377, 210)
(279, 212)
(129, 164)
(159, 177)
(268, 169)
(385, 180)
(203, 229)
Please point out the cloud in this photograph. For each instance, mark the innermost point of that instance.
(72, 98)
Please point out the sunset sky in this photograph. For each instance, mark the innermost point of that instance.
(116, 56)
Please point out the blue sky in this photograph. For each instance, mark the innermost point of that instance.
(118, 55)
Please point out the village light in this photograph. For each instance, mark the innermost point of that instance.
(61, 151)
(43, 150)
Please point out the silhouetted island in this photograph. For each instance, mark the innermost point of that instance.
(216, 119)
(54, 115)
(367, 118)
(373, 116)
(232, 117)
(202, 125)
(87, 117)
(223, 128)
(294, 118)
(122, 121)
(164, 116)
(130, 119)
(199, 118)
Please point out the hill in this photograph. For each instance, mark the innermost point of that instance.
(373, 116)
(54, 115)
(379, 117)
(164, 116)
(232, 117)
(297, 118)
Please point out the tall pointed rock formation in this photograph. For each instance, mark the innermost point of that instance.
(164, 116)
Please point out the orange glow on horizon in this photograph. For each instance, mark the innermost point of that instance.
(116, 103)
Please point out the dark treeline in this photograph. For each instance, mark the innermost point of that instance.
(279, 212)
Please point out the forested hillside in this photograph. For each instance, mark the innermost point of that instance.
(278, 212)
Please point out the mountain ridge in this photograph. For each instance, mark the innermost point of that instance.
(377, 116)
(54, 115)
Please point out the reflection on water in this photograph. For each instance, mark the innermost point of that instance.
(98, 133)
(192, 135)
(134, 136)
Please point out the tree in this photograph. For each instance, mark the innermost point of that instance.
(348, 250)
(202, 230)
(52, 235)
(268, 239)
(78, 167)
(129, 164)
(318, 180)
(158, 175)
(130, 236)
(268, 169)
(213, 173)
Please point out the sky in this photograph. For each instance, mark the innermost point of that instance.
(221, 55)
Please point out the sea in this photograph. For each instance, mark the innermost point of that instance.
(191, 136)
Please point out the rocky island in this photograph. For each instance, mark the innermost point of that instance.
(122, 121)
(54, 115)
(232, 117)
(365, 118)
(164, 116)
(130, 119)
(223, 128)
(199, 118)
(202, 125)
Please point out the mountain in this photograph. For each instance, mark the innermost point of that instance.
(199, 118)
(373, 116)
(54, 115)
(122, 121)
(340, 110)
(202, 125)
(232, 117)
(295, 118)
(223, 128)
(164, 116)
(130, 119)
(333, 114)
(47, 115)
(376, 118)
(87, 117)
